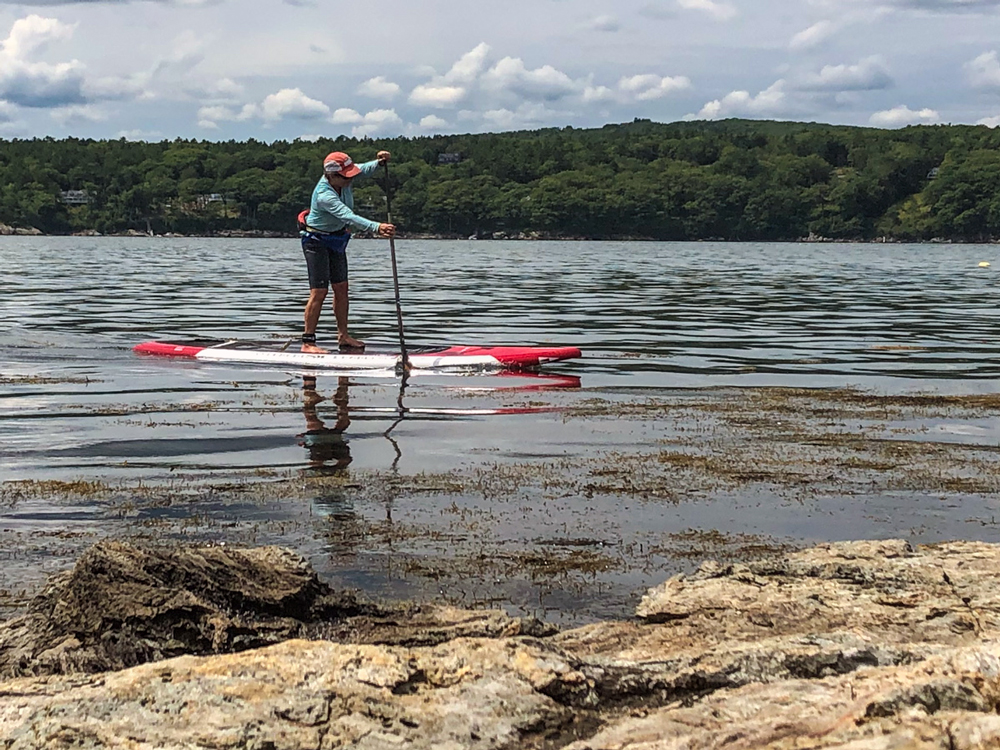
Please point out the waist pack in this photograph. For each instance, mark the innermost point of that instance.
(304, 227)
(335, 243)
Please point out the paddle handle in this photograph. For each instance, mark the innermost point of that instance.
(395, 274)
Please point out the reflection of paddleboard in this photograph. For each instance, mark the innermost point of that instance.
(379, 357)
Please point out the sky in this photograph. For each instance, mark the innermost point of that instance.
(286, 69)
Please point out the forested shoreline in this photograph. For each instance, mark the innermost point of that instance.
(728, 180)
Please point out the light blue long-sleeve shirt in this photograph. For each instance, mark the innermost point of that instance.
(331, 212)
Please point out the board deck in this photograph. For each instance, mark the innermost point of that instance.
(374, 356)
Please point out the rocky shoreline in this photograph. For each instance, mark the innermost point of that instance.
(7, 230)
(860, 645)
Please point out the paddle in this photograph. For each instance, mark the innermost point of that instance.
(395, 274)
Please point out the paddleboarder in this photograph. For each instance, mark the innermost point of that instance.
(325, 230)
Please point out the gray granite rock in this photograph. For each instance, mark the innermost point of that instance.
(861, 646)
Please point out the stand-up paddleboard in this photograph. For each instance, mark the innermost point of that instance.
(373, 357)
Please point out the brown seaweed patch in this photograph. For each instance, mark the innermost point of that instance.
(43, 380)
(124, 410)
(854, 462)
(761, 406)
(555, 563)
(701, 544)
(21, 489)
(851, 402)
(683, 460)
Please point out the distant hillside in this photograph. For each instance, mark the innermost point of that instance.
(729, 179)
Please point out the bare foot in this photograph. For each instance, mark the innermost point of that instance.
(313, 349)
(348, 341)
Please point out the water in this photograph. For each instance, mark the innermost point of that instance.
(674, 322)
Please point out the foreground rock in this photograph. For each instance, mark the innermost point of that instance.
(121, 606)
(857, 645)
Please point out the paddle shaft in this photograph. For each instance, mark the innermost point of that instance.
(395, 274)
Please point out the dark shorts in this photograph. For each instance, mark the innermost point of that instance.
(326, 258)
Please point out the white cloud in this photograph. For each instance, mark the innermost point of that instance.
(902, 115)
(379, 88)
(433, 123)
(598, 94)
(525, 116)
(946, 6)
(814, 36)
(113, 88)
(187, 50)
(741, 104)
(38, 84)
(501, 119)
(431, 95)
(217, 113)
(469, 66)
(291, 103)
(990, 122)
(376, 122)
(79, 113)
(650, 86)
(511, 75)
(220, 90)
(379, 122)
(346, 116)
(175, 75)
(451, 88)
(984, 71)
(209, 117)
(950, 7)
(869, 74)
(607, 23)
(33, 34)
(501, 91)
(719, 11)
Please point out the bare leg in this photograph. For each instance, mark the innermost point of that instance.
(313, 308)
(340, 306)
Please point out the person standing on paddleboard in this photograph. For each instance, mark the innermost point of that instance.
(325, 232)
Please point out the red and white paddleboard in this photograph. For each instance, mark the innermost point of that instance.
(373, 357)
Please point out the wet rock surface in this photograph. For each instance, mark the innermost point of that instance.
(853, 645)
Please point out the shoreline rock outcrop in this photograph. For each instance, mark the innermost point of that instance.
(7, 230)
(858, 645)
(122, 605)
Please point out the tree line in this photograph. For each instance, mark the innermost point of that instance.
(731, 179)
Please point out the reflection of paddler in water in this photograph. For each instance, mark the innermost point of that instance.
(326, 445)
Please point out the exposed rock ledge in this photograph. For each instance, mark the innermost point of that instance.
(7, 229)
(853, 645)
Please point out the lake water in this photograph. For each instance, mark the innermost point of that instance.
(674, 323)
